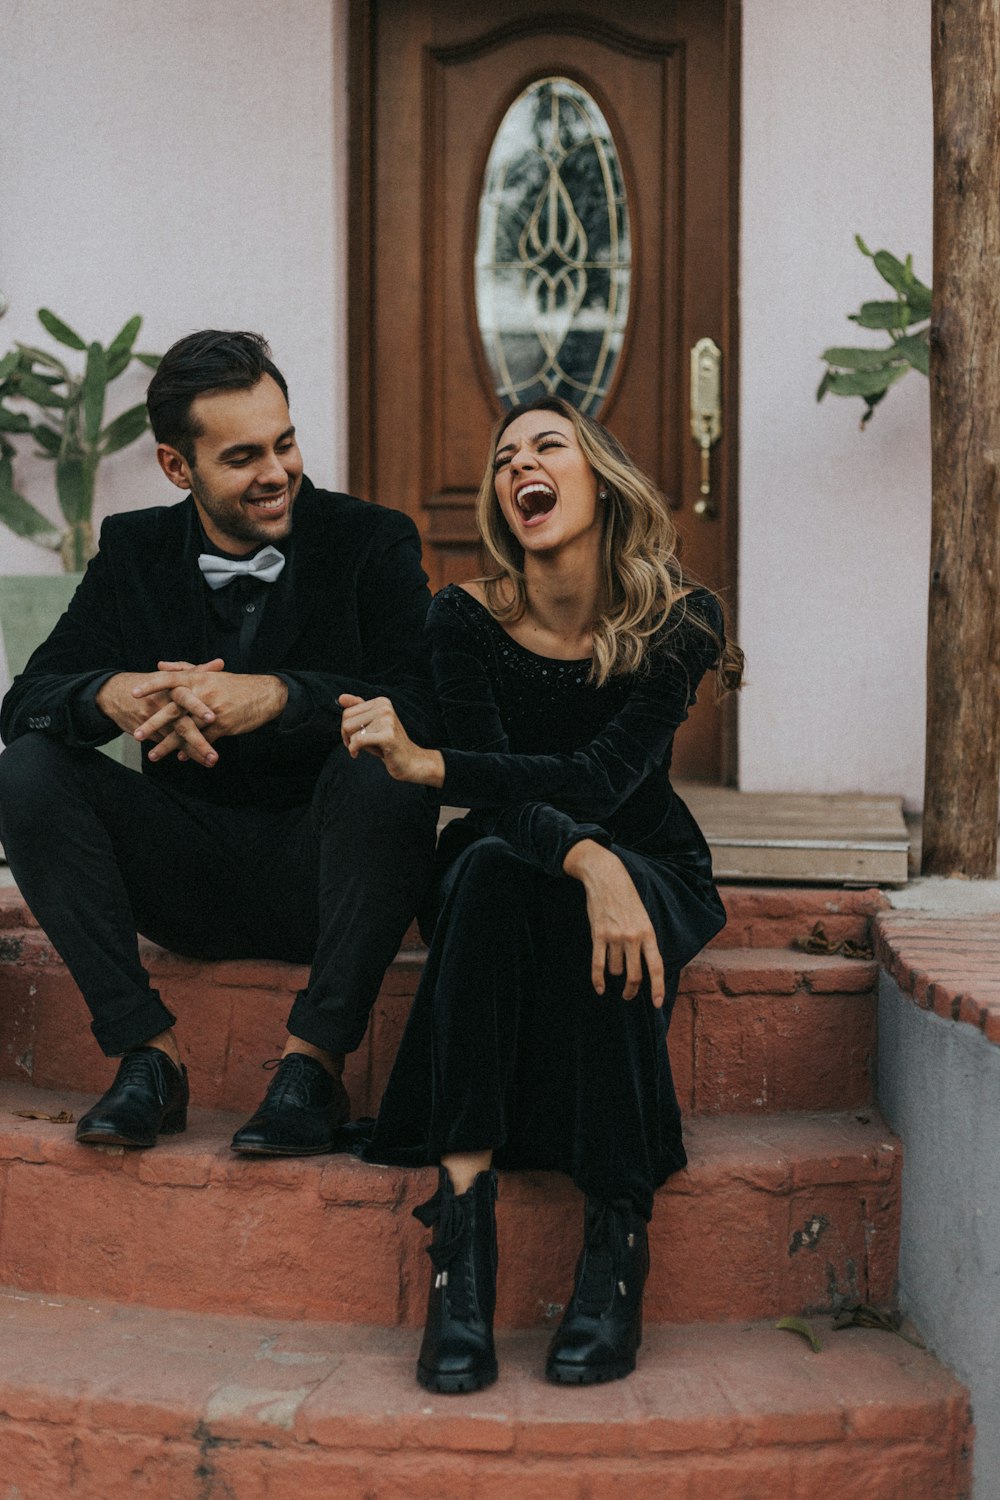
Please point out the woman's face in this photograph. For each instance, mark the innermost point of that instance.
(544, 483)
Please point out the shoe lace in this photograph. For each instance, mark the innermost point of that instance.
(133, 1068)
(289, 1074)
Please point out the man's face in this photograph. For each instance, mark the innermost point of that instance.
(247, 466)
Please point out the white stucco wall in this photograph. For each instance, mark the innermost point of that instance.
(835, 524)
(183, 159)
(188, 160)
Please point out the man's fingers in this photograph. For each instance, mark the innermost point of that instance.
(196, 746)
(188, 738)
(192, 704)
(215, 665)
(167, 746)
(158, 682)
(157, 722)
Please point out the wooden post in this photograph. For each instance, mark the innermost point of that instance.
(963, 649)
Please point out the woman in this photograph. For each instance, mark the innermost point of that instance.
(569, 898)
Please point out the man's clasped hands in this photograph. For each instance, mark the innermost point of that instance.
(185, 708)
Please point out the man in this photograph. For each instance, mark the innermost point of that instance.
(221, 632)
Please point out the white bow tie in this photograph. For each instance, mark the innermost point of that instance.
(218, 571)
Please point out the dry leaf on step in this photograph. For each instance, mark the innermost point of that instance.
(62, 1118)
(800, 1326)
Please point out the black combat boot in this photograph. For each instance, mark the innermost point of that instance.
(601, 1328)
(457, 1352)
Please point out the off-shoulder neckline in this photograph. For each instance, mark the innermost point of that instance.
(562, 661)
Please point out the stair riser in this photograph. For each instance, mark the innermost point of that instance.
(776, 1049)
(83, 1463)
(332, 1239)
(772, 917)
(759, 916)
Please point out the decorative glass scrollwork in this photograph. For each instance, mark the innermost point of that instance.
(553, 256)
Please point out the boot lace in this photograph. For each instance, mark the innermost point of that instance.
(450, 1249)
(595, 1287)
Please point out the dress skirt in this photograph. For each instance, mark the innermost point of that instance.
(509, 1048)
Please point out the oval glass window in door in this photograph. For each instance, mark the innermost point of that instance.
(553, 257)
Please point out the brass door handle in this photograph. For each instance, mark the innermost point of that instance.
(706, 416)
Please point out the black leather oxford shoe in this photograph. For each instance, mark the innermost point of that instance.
(149, 1097)
(300, 1113)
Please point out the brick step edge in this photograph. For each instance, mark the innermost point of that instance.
(774, 1215)
(950, 965)
(753, 1029)
(759, 916)
(98, 1398)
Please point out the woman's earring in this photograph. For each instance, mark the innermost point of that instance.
(603, 494)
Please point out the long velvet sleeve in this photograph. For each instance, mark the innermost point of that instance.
(594, 781)
(540, 833)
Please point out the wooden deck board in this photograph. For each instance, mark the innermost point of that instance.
(842, 839)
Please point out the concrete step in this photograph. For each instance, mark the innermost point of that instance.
(754, 1029)
(775, 1215)
(100, 1400)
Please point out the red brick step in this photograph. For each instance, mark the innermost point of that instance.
(759, 916)
(775, 1214)
(99, 1400)
(753, 1029)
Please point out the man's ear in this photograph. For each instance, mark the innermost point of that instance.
(174, 465)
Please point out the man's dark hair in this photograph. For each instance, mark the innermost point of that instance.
(211, 360)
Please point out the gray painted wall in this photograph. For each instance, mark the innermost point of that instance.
(939, 1088)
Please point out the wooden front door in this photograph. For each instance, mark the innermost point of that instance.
(432, 83)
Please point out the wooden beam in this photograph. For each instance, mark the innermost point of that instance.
(963, 652)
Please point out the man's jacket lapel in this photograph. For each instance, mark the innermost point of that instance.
(296, 595)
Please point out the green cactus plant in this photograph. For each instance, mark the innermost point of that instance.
(65, 417)
(869, 373)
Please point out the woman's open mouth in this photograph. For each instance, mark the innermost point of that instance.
(534, 501)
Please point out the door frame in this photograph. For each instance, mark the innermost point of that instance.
(361, 33)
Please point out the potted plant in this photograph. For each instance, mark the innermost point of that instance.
(869, 373)
(62, 411)
(65, 417)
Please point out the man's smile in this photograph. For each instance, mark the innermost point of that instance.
(268, 502)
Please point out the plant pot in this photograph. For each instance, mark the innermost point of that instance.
(30, 605)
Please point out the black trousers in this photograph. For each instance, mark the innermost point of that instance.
(100, 853)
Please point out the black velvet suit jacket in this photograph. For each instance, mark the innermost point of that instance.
(350, 620)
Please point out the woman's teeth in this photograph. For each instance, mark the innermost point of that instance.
(535, 500)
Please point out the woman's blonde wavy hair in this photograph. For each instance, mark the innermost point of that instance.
(642, 575)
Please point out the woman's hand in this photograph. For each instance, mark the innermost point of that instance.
(622, 933)
(372, 724)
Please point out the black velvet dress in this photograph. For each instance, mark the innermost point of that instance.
(508, 1046)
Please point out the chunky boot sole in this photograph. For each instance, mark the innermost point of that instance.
(455, 1385)
(570, 1374)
